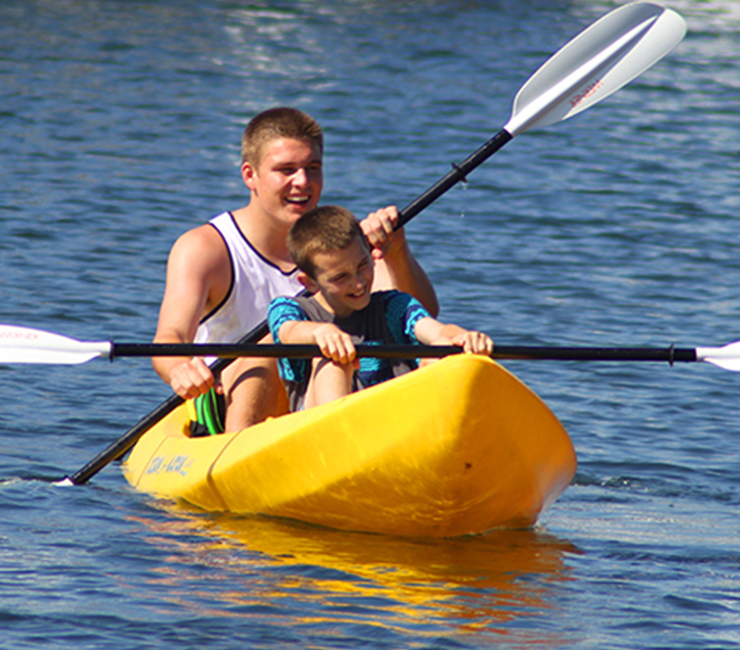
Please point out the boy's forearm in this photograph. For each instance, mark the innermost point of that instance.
(449, 331)
(332, 341)
(164, 366)
(430, 331)
(301, 332)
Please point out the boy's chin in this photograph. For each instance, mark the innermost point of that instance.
(359, 303)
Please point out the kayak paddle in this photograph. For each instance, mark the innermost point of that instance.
(593, 65)
(25, 345)
(603, 58)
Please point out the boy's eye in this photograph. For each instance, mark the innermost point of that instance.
(289, 171)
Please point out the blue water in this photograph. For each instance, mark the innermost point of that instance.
(120, 126)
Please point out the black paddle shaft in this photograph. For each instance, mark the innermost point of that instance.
(393, 351)
(669, 355)
(458, 173)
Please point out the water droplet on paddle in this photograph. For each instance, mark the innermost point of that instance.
(464, 187)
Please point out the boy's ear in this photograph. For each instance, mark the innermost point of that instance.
(307, 281)
(248, 174)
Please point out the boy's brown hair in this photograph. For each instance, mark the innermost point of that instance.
(321, 230)
(274, 123)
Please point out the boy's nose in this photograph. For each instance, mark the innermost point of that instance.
(300, 177)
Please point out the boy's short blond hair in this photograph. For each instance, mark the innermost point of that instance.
(274, 123)
(322, 230)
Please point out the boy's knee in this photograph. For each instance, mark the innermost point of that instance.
(254, 370)
(255, 383)
(253, 392)
(323, 365)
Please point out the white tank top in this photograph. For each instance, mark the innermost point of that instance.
(254, 283)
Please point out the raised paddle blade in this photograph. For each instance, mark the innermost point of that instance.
(26, 345)
(726, 357)
(596, 63)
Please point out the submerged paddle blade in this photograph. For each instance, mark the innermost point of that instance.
(596, 63)
(726, 357)
(26, 345)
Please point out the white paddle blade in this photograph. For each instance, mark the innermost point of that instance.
(726, 357)
(26, 345)
(596, 63)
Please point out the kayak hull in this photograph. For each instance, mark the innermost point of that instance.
(459, 447)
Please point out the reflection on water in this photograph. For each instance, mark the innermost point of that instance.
(479, 584)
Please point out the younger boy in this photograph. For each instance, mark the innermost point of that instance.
(330, 251)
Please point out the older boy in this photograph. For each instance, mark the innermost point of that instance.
(221, 276)
(335, 264)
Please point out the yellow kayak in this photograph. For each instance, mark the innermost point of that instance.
(458, 447)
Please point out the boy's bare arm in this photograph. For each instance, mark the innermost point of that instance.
(333, 342)
(193, 275)
(431, 332)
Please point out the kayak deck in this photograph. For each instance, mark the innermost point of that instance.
(458, 447)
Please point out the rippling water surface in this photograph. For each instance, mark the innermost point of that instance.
(120, 129)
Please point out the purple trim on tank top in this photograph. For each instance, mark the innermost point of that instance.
(231, 284)
(256, 252)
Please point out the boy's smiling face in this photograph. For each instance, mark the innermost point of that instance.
(288, 181)
(344, 278)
